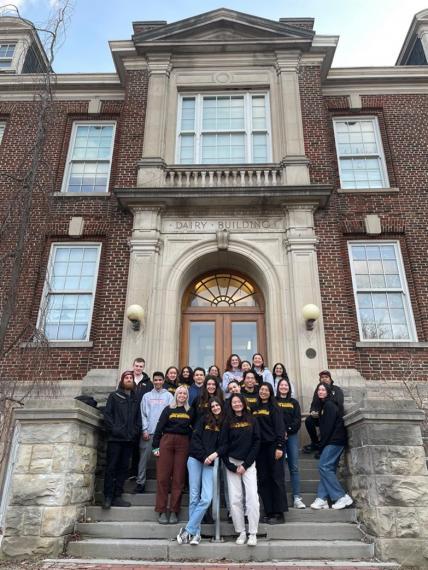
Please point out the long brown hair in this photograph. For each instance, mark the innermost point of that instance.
(211, 420)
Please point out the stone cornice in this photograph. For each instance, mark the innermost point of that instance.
(420, 20)
(58, 411)
(317, 194)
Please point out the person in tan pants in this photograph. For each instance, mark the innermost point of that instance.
(171, 447)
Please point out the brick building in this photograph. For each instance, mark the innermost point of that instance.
(222, 179)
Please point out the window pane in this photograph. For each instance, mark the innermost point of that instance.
(244, 339)
(219, 149)
(382, 315)
(201, 344)
(259, 112)
(259, 148)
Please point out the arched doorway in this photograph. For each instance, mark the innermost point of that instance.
(222, 313)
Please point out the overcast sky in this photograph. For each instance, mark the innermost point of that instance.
(371, 31)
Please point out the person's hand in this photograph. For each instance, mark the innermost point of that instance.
(211, 458)
(156, 452)
(278, 454)
(146, 436)
(240, 470)
(315, 414)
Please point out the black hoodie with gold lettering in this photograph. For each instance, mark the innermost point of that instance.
(240, 439)
(271, 424)
(173, 420)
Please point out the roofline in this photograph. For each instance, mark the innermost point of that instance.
(411, 35)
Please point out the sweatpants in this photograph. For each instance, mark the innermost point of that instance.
(252, 506)
(117, 462)
(171, 468)
(145, 452)
(271, 479)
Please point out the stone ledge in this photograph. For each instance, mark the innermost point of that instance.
(59, 344)
(394, 345)
(367, 190)
(389, 412)
(56, 410)
(82, 194)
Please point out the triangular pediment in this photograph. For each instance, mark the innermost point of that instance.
(224, 26)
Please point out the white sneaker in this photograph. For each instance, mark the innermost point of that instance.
(252, 540)
(298, 503)
(183, 536)
(196, 539)
(343, 502)
(319, 504)
(242, 538)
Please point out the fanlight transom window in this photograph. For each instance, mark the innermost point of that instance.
(223, 290)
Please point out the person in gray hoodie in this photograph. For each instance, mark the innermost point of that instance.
(152, 404)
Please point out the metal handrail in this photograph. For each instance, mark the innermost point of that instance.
(216, 500)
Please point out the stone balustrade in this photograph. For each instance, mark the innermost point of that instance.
(225, 176)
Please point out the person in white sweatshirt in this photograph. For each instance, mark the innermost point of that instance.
(152, 404)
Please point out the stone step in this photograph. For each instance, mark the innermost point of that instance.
(307, 486)
(149, 499)
(289, 531)
(266, 550)
(138, 514)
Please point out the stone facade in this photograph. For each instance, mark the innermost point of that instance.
(388, 478)
(53, 477)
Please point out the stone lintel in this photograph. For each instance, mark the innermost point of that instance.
(317, 194)
(58, 410)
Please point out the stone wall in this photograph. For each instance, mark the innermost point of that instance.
(53, 477)
(388, 478)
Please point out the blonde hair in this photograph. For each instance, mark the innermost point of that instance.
(186, 404)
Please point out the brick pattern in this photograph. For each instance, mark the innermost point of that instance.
(402, 121)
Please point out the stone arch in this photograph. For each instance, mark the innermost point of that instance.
(205, 256)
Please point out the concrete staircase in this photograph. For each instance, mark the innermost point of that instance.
(133, 533)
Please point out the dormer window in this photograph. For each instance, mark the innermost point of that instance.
(224, 129)
(7, 51)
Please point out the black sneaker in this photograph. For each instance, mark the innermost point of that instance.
(310, 448)
(139, 489)
(118, 502)
(107, 503)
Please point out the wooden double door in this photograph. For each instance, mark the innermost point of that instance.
(211, 337)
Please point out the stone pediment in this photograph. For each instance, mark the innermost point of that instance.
(226, 30)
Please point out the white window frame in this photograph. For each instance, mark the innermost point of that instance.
(12, 59)
(198, 131)
(69, 161)
(46, 288)
(403, 290)
(380, 154)
(2, 130)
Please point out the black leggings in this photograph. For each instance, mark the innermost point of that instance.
(271, 480)
(311, 426)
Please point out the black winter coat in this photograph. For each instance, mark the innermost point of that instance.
(122, 416)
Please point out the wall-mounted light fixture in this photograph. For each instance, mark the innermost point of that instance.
(135, 314)
(311, 313)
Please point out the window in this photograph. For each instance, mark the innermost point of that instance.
(66, 310)
(380, 289)
(89, 157)
(360, 154)
(2, 128)
(6, 55)
(223, 129)
(223, 290)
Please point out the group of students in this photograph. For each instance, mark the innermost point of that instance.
(248, 418)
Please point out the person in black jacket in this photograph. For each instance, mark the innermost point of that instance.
(204, 450)
(269, 461)
(311, 421)
(292, 417)
(332, 443)
(240, 442)
(171, 446)
(123, 423)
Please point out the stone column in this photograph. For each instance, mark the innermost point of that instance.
(145, 245)
(310, 349)
(388, 478)
(53, 477)
(295, 162)
(150, 172)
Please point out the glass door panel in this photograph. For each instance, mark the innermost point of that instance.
(202, 343)
(244, 339)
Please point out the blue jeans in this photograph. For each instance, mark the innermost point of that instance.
(200, 493)
(329, 485)
(292, 450)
